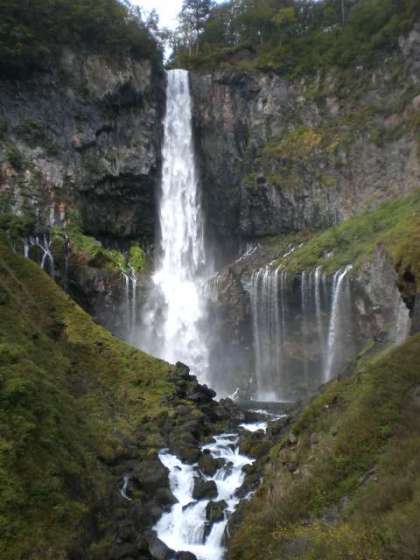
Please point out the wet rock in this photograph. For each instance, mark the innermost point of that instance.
(208, 465)
(201, 394)
(164, 497)
(158, 549)
(182, 371)
(188, 455)
(185, 556)
(120, 551)
(215, 511)
(150, 475)
(204, 489)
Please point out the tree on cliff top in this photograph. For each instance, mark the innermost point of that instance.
(32, 32)
(297, 36)
(193, 17)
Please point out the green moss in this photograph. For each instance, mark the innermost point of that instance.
(299, 143)
(394, 225)
(71, 398)
(363, 463)
(14, 157)
(136, 258)
(90, 251)
(15, 226)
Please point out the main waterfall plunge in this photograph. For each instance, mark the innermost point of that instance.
(174, 317)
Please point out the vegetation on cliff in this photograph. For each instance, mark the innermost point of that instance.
(344, 482)
(34, 32)
(394, 225)
(71, 401)
(296, 36)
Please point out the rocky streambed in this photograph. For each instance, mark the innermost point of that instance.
(177, 501)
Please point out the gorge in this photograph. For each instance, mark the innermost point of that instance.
(210, 283)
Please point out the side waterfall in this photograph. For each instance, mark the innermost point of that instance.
(333, 334)
(130, 289)
(174, 317)
(311, 308)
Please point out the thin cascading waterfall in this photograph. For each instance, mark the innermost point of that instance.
(44, 243)
(302, 330)
(174, 317)
(403, 323)
(130, 289)
(268, 324)
(319, 282)
(304, 296)
(335, 317)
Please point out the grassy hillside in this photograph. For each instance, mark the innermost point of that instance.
(394, 225)
(71, 398)
(345, 482)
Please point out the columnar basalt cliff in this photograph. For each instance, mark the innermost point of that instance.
(84, 138)
(80, 157)
(280, 155)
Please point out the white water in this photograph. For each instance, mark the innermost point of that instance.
(183, 529)
(43, 243)
(403, 325)
(309, 308)
(130, 288)
(175, 313)
(333, 334)
(267, 331)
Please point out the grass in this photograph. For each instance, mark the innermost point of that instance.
(89, 251)
(394, 225)
(355, 492)
(71, 399)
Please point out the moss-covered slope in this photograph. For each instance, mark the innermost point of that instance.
(395, 225)
(345, 481)
(71, 399)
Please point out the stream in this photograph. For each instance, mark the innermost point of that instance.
(185, 528)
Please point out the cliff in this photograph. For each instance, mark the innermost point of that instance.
(80, 150)
(84, 138)
(279, 155)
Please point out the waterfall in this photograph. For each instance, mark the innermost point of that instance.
(333, 334)
(301, 329)
(185, 527)
(268, 320)
(403, 323)
(175, 311)
(44, 244)
(130, 289)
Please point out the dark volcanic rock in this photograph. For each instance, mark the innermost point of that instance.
(208, 465)
(215, 511)
(158, 549)
(204, 489)
(185, 556)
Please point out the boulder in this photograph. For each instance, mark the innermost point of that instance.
(208, 465)
(158, 549)
(185, 556)
(215, 511)
(150, 475)
(204, 489)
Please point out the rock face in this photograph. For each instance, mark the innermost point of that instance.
(280, 155)
(84, 139)
(373, 311)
